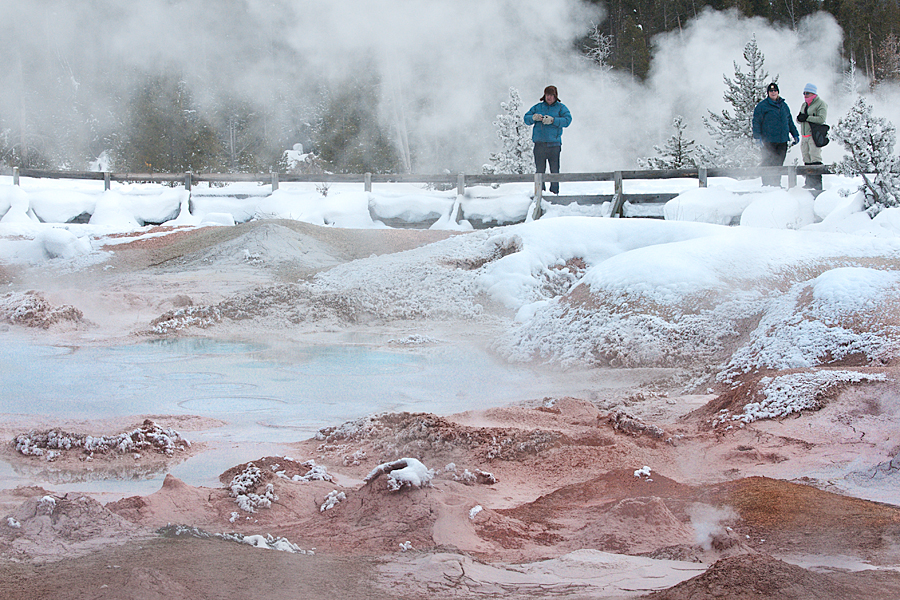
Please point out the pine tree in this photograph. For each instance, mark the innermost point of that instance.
(888, 66)
(348, 134)
(599, 50)
(733, 132)
(870, 141)
(678, 153)
(851, 84)
(165, 132)
(515, 155)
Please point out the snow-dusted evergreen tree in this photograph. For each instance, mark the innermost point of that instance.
(732, 131)
(678, 153)
(870, 141)
(515, 155)
(600, 48)
(851, 84)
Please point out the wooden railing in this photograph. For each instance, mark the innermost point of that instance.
(460, 180)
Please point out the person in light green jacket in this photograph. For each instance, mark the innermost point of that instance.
(814, 110)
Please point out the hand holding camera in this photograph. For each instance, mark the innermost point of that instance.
(548, 120)
(537, 118)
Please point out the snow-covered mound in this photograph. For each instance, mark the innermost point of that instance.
(688, 294)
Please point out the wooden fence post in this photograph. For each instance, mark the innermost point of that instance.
(15, 175)
(538, 186)
(538, 209)
(461, 184)
(106, 181)
(274, 182)
(792, 176)
(701, 175)
(368, 182)
(618, 206)
(187, 181)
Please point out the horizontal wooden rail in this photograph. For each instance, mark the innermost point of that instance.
(469, 179)
(460, 180)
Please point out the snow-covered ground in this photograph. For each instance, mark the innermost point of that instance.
(764, 303)
(816, 273)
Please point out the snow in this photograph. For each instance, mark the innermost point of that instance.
(333, 498)
(315, 473)
(243, 487)
(817, 272)
(788, 394)
(643, 473)
(403, 473)
(148, 436)
(265, 542)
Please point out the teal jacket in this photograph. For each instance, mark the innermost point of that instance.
(773, 122)
(550, 134)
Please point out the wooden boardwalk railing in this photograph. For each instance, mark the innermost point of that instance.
(460, 180)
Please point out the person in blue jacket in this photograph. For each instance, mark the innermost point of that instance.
(772, 126)
(548, 117)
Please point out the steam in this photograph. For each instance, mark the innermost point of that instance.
(708, 522)
(441, 67)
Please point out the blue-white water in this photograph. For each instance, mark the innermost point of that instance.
(267, 395)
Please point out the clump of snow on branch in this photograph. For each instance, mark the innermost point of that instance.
(149, 436)
(870, 142)
(243, 488)
(788, 394)
(333, 498)
(402, 473)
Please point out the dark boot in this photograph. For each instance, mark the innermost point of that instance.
(814, 182)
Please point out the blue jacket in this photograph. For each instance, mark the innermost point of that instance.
(551, 134)
(772, 122)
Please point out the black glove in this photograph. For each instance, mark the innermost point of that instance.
(801, 117)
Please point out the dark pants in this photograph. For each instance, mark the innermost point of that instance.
(813, 182)
(773, 156)
(544, 154)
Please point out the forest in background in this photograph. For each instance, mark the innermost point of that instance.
(158, 120)
(870, 28)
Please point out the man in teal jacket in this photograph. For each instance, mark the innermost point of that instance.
(548, 116)
(772, 122)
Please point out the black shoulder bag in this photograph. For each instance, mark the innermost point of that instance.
(819, 133)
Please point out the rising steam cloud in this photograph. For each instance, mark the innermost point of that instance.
(442, 67)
